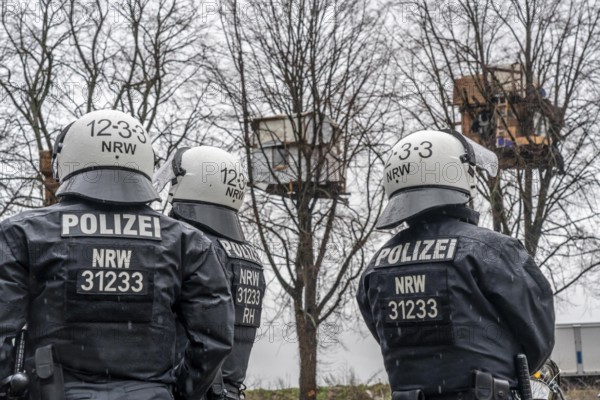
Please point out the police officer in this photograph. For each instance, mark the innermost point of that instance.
(100, 276)
(207, 192)
(451, 304)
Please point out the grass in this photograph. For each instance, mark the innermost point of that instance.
(581, 394)
(359, 392)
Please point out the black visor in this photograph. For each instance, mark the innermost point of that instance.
(223, 221)
(109, 185)
(412, 202)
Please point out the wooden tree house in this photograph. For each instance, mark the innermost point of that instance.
(280, 145)
(505, 114)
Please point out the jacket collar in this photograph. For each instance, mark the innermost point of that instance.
(461, 213)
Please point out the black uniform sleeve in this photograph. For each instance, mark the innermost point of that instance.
(523, 297)
(363, 302)
(13, 299)
(207, 314)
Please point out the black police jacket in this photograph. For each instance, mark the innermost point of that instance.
(445, 297)
(244, 271)
(103, 284)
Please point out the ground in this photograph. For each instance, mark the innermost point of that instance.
(581, 394)
(360, 392)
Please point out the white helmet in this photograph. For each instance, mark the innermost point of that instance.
(208, 188)
(429, 169)
(105, 156)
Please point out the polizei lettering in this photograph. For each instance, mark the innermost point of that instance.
(244, 251)
(426, 250)
(141, 226)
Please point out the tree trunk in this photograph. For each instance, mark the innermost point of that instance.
(307, 338)
(497, 205)
(528, 210)
(306, 300)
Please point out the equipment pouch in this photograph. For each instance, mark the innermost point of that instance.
(501, 389)
(50, 380)
(483, 385)
(416, 394)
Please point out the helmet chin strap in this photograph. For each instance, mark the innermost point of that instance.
(178, 170)
(472, 179)
(172, 190)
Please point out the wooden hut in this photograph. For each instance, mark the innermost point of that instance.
(279, 146)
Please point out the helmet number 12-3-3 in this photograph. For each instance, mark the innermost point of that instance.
(107, 128)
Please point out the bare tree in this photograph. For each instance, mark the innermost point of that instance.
(550, 205)
(310, 61)
(61, 59)
(29, 59)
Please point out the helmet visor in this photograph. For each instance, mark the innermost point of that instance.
(484, 159)
(412, 202)
(169, 170)
(164, 175)
(221, 220)
(109, 185)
